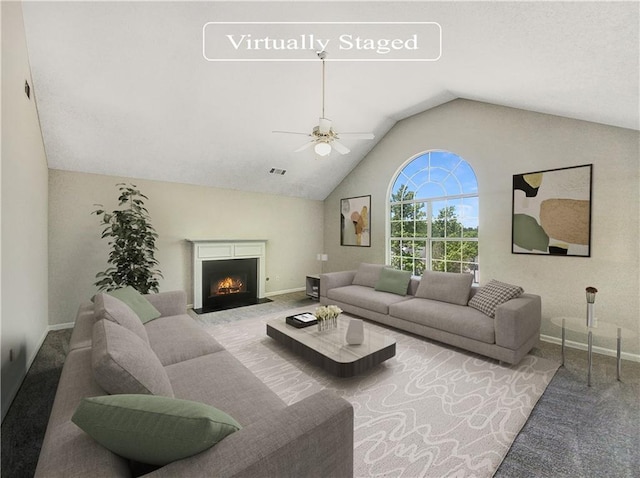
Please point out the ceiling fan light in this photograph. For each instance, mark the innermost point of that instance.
(322, 149)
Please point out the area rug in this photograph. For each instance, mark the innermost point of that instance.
(430, 411)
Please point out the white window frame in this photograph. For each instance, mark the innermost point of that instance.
(428, 240)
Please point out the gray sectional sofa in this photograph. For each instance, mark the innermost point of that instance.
(436, 306)
(172, 355)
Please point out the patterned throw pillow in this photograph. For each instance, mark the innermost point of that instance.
(492, 295)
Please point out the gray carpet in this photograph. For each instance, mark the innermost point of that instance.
(574, 430)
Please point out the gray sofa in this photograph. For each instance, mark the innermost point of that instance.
(439, 310)
(313, 437)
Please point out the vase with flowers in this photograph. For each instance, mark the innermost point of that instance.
(327, 316)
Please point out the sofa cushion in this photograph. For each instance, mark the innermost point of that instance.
(178, 338)
(368, 274)
(364, 297)
(455, 319)
(492, 295)
(123, 363)
(137, 302)
(448, 287)
(227, 385)
(394, 281)
(114, 310)
(153, 430)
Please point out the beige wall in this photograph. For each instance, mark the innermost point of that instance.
(500, 142)
(24, 212)
(292, 227)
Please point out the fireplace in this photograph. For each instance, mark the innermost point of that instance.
(228, 273)
(229, 283)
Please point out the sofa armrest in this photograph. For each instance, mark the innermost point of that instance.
(331, 280)
(311, 438)
(517, 320)
(169, 303)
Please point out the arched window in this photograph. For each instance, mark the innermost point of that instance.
(433, 221)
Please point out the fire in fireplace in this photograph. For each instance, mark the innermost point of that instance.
(229, 283)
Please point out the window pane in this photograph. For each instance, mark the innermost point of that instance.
(437, 266)
(437, 250)
(467, 177)
(469, 268)
(420, 249)
(420, 267)
(402, 192)
(469, 251)
(453, 267)
(430, 190)
(470, 232)
(416, 165)
(444, 159)
(452, 186)
(396, 262)
(420, 177)
(395, 229)
(453, 251)
(408, 228)
(396, 212)
(438, 220)
(395, 248)
(407, 264)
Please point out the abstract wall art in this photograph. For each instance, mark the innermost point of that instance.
(552, 212)
(354, 221)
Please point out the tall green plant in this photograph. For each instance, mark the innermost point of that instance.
(133, 244)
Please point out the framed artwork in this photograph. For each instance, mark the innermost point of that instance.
(355, 214)
(552, 212)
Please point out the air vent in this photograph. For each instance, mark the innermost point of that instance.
(281, 172)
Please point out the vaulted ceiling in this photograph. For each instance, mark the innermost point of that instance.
(123, 88)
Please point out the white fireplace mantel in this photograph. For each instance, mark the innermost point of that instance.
(222, 249)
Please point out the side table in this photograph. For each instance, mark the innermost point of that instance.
(313, 286)
(601, 329)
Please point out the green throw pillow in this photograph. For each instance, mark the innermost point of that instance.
(152, 429)
(394, 281)
(137, 302)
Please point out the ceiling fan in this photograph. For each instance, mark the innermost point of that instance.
(323, 137)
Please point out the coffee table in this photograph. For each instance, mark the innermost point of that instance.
(328, 349)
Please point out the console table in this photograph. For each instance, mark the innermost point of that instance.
(601, 329)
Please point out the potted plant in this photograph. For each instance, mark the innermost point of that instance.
(133, 244)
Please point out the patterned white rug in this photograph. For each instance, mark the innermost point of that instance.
(430, 411)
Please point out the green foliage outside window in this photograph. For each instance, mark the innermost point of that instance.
(410, 237)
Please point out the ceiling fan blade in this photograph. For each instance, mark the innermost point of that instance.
(339, 147)
(291, 132)
(304, 146)
(324, 126)
(358, 135)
